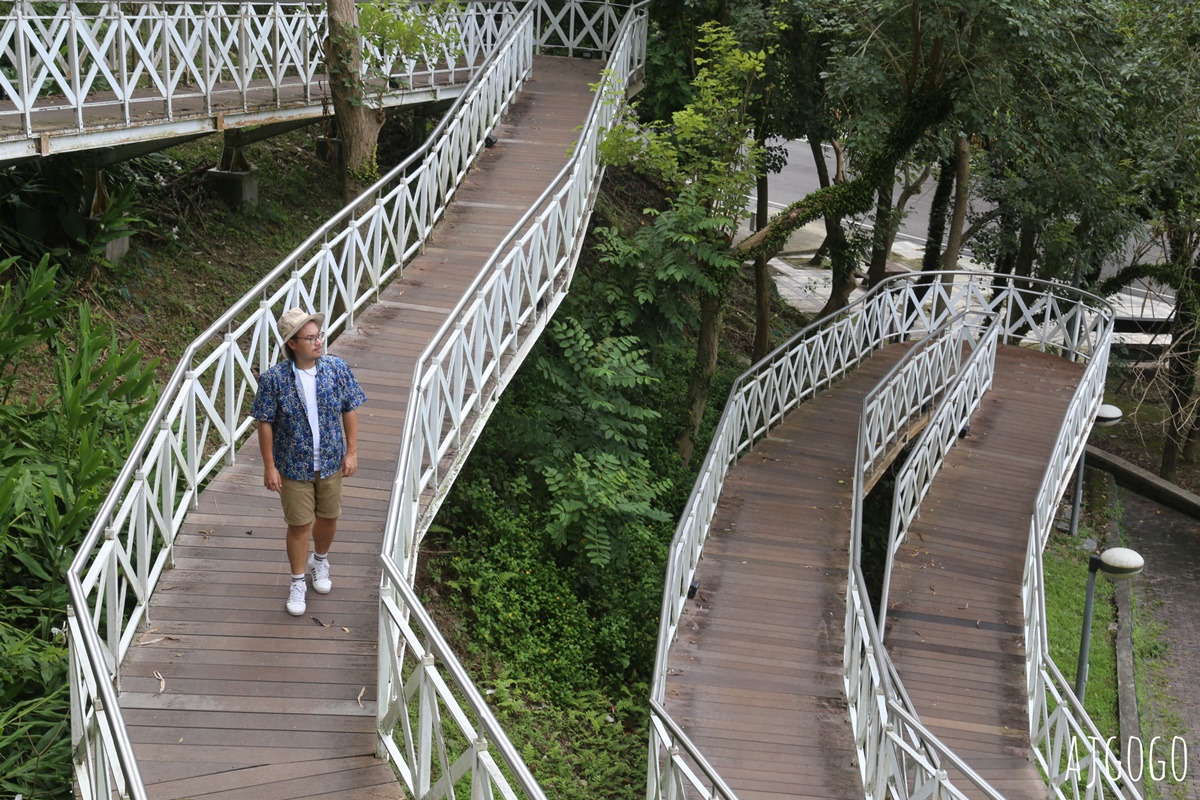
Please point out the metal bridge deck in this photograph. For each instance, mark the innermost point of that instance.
(755, 677)
(226, 695)
(955, 622)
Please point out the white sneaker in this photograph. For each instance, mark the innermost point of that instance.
(295, 601)
(319, 572)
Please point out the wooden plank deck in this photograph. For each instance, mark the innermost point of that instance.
(755, 677)
(253, 702)
(955, 622)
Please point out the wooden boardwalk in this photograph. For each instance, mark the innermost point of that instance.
(755, 677)
(955, 622)
(226, 696)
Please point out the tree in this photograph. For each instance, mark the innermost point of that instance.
(709, 158)
(1163, 154)
(359, 77)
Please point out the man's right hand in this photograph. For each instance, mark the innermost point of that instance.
(271, 478)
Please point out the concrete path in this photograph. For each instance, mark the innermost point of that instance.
(1168, 591)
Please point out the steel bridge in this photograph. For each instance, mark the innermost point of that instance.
(777, 678)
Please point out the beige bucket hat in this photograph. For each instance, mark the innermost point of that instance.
(292, 321)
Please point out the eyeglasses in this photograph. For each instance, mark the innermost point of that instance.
(310, 339)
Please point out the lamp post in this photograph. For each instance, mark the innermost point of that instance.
(1106, 416)
(1119, 563)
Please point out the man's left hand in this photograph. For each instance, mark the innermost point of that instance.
(349, 464)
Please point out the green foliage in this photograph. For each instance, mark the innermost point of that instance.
(591, 745)
(655, 273)
(58, 455)
(1065, 568)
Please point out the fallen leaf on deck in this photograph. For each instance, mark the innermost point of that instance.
(162, 682)
(347, 630)
(322, 624)
(361, 692)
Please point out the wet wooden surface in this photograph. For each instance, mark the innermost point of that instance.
(755, 677)
(955, 621)
(251, 701)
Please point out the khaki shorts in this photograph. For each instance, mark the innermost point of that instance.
(303, 500)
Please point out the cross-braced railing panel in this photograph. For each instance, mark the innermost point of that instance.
(203, 414)
(899, 758)
(584, 28)
(457, 382)
(915, 477)
(147, 59)
(887, 745)
(891, 409)
(1073, 755)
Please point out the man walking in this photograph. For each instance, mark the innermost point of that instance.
(308, 435)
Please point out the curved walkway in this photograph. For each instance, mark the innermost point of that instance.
(755, 677)
(955, 622)
(226, 695)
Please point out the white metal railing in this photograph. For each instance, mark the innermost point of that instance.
(952, 366)
(915, 477)
(456, 383)
(891, 408)
(155, 61)
(1073, 755)
(900, 757)
(203, 412)
(759, 399)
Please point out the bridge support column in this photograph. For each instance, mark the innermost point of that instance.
(236, 179)
(97, 200)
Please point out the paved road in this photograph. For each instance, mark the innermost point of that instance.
(1167, 591)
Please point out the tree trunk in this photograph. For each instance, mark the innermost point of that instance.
(1181, 377)
(882, 235)
(762, 283)
(818, 153)
(842, 265)
(358, 123)
(1026, 249)
(958, 218)
(938, 207)
(702, 372)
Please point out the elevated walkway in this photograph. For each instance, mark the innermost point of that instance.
(227, 696)
(141, 76)
(755, 678)
(955, 627)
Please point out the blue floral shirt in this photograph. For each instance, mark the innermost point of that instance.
(278, 402)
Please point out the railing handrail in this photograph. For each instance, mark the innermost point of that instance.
(1028, 311)
(251, 297)
(90, 656)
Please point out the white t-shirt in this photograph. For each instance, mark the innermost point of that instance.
(306, 383)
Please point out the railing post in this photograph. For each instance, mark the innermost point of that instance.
(427, 709)
(231, 415)
(24, 86)
(210, 71)
(73, 63)
(189, 438)
(168, 477)
(242, 58)
(123, 56)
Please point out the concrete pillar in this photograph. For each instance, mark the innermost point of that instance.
(236, 179)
